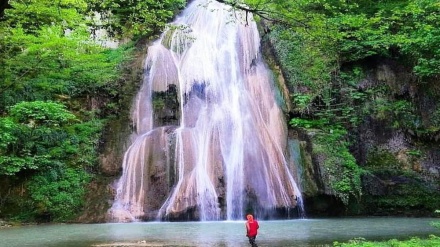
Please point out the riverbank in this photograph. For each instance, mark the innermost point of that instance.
(431, 241)
(5, 224)
(142, 243)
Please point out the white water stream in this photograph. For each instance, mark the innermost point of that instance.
(226, 155)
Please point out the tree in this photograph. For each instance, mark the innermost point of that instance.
(31, 136)
(31, 15)
(134, 18)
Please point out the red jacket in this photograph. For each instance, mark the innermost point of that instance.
(252, 228)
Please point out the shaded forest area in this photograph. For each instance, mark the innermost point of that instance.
(363, 91)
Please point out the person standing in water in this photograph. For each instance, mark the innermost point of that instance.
(252, 229)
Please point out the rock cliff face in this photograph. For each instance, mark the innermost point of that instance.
(401, 163)
(401, 151)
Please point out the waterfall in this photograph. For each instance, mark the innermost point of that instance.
(224, 156)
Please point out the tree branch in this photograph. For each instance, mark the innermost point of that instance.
(265, 14)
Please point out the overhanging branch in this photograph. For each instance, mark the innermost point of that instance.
(265, 14)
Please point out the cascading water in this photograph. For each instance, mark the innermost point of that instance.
(225, 156)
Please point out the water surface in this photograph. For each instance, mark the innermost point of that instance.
(285, 233)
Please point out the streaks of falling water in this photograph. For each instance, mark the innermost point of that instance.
(228, 147)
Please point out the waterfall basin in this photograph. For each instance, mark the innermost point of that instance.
(279, 233)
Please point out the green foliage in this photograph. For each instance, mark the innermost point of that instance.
(431, 241)
(379, 159)
(313, 39)
(158, 103)
(404, 26)
(341, 171)
(353, 76)
(421, 37)
(401, 112)
(308, 124)
(51, 65)
(39, 113)
(301, 101)
(415, 153)
(7, 137)
(32, 15)
(38, 129)
(45, 141)
(11, 165)
(306, 64)
(436, 223)
(57, 194)
(409, 196)
(406, 190)
(135, 18)
(83, 146)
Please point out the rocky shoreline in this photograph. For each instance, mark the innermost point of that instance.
(142, 243)
(5, 224)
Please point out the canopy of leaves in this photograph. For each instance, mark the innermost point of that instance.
(31, 15)
(134, 17)
(51, 68)
(56, 193)
(39, 113)
(43, 135)
(50, 64)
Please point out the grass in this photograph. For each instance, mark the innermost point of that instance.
(431, 241)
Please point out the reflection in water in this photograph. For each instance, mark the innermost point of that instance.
(298, 233)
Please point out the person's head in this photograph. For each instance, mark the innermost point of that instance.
(250, 217)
